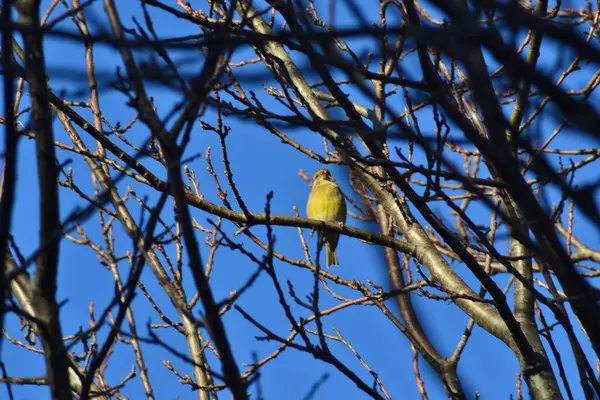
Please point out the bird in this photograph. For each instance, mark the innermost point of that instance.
(326, 203)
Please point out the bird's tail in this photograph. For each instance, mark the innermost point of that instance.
(330, 256)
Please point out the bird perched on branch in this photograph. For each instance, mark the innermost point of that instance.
(326, 203)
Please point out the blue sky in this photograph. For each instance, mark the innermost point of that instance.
(260, 164)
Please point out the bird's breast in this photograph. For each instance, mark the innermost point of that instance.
(326, 203)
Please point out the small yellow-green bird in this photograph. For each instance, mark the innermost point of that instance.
(326, 203)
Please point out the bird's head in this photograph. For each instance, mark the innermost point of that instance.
(323, 175)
